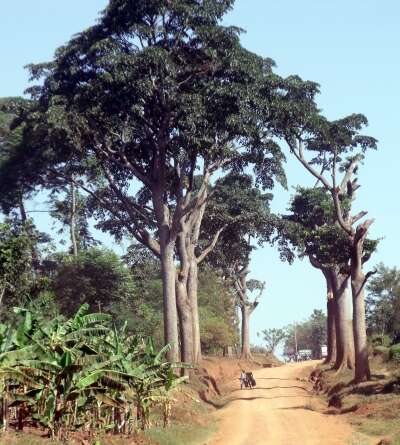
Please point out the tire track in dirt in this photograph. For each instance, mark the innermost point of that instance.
(277, 412)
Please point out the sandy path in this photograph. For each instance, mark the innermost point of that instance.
(277, 413)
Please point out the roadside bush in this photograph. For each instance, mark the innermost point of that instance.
(380, 340)
(395, 353)
(382, 351)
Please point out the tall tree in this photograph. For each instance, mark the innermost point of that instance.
(308, 334)
(69, 208)
(16, 270)
(246, 304)
(97, 277)
(311, 227)
(383, 303)
(272, 337)
(333, 147)
(143, 100)
(243, 210)
(332, 142)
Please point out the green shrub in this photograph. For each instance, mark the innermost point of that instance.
(379, 340)
(381, 351)
(395, 352)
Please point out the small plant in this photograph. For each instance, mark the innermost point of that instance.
(395, 353)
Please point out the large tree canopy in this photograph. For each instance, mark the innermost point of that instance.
(133, 108)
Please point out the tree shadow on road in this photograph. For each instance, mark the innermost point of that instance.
(276, 378)
(272, 387)
(224, 403)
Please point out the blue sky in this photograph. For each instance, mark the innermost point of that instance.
(348, 47)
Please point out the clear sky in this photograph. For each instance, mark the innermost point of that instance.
(348, 46)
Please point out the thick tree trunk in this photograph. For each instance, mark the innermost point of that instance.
(193, 277)
(358, 281)
(331, 329)
(246, 312)
(167, 240)
(343, 335)
(169, 299)
(182, 298)
(185, 323)
(362, 370)
(331, 316)
(192, 291)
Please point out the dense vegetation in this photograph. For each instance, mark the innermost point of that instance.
(157, 127)
(80, 373)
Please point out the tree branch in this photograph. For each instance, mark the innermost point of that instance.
(210, 246)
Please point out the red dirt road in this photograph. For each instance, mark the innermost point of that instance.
(278, 412)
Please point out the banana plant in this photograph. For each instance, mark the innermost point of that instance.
(81, 373)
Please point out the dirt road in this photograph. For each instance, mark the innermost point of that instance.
(278, 412)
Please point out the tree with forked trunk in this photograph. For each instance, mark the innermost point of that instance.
(246, 304)
(135, 107)
(311, 230)
(243, 211)
(332, 142)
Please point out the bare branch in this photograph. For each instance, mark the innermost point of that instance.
(359, 216)
(298, 152)
(211, 246)
(362, 230)
(349, 173)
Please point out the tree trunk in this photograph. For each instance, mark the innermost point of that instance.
(167, 239)
(182, 298)
(246, 312)
(193, 277)
(192, 291)
(169, 300)
(362, 370)
(185, 324)
(343, 349)
(331, 329)
(331, 316)
(74, 243)
(22, 211)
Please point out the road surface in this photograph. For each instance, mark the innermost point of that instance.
(278, 412)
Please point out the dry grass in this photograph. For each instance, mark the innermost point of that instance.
(373, 408)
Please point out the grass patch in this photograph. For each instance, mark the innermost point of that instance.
(181, 434)
(378, 416)
(381, 427)
(14, 439)
(191, 423)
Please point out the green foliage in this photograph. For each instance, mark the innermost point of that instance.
(218, 321)
(81, 373)
(311, 334)
(272, 338)
(380, 340)
(16, 274)
(96, 276)
(311, 229)
(143, 311)
(149, 96)
(394, 353)
(239, 206)
(383, 303)
(382, 351)
(61, 203)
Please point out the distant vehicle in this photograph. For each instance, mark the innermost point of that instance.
(304, 354)
(324, 351)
